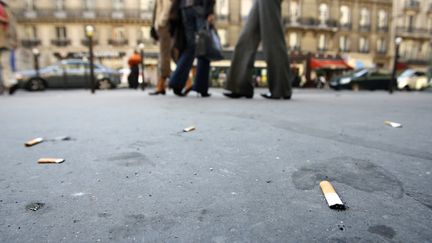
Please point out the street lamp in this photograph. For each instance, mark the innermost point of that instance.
(36, 54)
(89, 30)
(141, 47)
(393, 81)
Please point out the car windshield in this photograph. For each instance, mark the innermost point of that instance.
(360, 73)
(407, 73)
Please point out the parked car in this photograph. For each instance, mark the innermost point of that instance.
(412, 80)
(69, 73)
(370, 79)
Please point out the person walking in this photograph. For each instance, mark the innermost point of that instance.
(264, 25)
(8, 42)
(194, 15)
(160, 32)
(133, 77)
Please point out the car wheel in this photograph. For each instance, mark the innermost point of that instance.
(105, 84)
(407, 88)
(36, 84)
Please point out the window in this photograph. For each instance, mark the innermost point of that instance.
(344, 43)
(430, 23)
(144, 34)
(410, 22)
(59, 5)
(322, 42)
(425, 51)
(382, 19)
(246, 6)
(118, 33)
(381, 46)
(118, 4)
(30, 5)
(364, 17)
(147, 5)
(363, 45)
(345, 15)
(323, 13)
(222, 9)
(61, 33)
(30, 32)
(294, 11)
(89, 4)
(294, 41)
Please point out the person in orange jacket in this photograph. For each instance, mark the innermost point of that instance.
(134, 62)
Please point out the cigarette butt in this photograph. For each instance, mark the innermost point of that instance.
(33, 142)
(331, 196)
(393, 124)
(51, 161)
(189, 129)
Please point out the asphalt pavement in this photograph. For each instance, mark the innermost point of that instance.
(250, 172)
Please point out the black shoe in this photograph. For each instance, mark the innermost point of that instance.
(205, 95)
(177, 91)
(158, 92)
(233, 95)
(13, 89)
(270, 96)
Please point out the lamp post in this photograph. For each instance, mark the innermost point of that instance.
(89, 33)
(36, 54)
(393, 81)
(141, 47)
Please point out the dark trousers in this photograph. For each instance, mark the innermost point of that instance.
(264, 25)
(133, 77)
(192, 23)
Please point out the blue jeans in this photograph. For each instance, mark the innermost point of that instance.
(192, 23)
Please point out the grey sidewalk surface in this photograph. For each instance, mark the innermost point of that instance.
(250, 172)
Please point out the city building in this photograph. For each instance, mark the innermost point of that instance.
(320, 34)
(413, 23)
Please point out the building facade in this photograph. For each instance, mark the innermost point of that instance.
(57, 28)
(413, 23)
(360, 31)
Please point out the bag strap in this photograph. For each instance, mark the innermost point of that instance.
(154, 14)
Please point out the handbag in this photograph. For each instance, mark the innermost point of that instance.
(208, 44)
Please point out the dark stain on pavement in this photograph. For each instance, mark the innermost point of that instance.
(422, 198)
(34, 206)
(203, 213)
(357, 173)
(141, 144)
(353, 240)
(131, 159)
(382, 230)
(139, 224)
(104, 215)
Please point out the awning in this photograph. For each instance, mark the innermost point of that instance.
(401, 66)
(332, 64)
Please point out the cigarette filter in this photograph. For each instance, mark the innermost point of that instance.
(51, 161)
(331, 196)
(393, 124)
(33, 142)
(189, 129)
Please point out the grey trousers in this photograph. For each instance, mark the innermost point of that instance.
(264, 25)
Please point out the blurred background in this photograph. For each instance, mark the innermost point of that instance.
(328, 41)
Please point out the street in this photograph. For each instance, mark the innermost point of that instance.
(250, 172)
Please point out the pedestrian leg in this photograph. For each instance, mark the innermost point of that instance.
(239, 78)
(274, 46)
